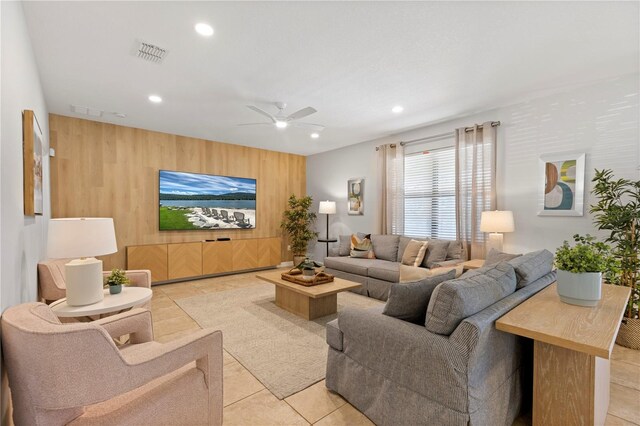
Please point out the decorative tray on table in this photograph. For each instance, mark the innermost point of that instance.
(295, 276)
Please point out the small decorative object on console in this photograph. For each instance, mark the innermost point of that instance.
(580, 270)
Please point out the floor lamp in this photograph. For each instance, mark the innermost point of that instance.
(328, 208)
(81, 239)
(496, 222)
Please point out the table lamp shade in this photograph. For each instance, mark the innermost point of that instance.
(497, 221)
(81, 237)
(327, 207)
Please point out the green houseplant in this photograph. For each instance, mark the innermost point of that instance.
(580, 270)
(618, 212)
(116, 280)
(308, 268)
(297, 222)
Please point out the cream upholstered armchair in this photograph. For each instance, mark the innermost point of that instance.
(74, 373)
(51, 279)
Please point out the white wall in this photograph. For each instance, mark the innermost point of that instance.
(23, 239)
(601, 119)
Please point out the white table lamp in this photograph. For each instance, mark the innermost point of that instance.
(81, 239)
(496, 222)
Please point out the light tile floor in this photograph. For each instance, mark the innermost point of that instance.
(248, 402)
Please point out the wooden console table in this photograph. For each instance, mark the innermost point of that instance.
(572, 347)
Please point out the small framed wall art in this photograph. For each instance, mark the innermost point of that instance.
(355, 194)
(561, 185)
(32, 164)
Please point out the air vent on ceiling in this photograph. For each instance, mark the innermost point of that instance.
(150, 52)
(94, 112)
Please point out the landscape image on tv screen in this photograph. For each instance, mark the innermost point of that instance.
(205, 202)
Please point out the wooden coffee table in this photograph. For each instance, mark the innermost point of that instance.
(307, 302)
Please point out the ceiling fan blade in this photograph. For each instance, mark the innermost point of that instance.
(317, 127)
(265, 113)
(256, 124)
(301, 114)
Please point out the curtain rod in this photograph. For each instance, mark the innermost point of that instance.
(443, 135)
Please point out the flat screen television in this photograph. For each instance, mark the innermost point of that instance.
(194, 201)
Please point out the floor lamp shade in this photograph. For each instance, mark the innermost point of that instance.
(82, 238)
(496, 222)
(327, 207)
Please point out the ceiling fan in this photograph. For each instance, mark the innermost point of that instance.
(281, 120)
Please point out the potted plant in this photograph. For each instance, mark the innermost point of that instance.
(116, 280)
(308, 268)
(580, 270)
(618, 212)
(297, 222)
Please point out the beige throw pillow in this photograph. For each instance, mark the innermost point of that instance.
(414, 253)
(415, 273)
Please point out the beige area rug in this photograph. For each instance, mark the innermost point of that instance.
(285, 352)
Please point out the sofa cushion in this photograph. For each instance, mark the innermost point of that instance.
(417, 273)
(348, 264)
(414, 253)
(384, 270)
(532, 266)
(455, 250)
(496, 256)
(344, 246)
(436, 252)
(455, 300)
(409, 301)
(385, 247)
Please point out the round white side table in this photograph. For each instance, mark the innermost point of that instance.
(129, 297)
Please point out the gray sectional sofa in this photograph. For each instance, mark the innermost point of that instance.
(377, 275)
(456, 368)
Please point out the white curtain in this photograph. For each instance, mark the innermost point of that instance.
(475, 183)
(391, 184)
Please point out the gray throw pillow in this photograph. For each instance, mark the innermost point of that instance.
(455, 300)
(385, 247)
(408, 301)
(436, 252)
(344, 247)
(496, 256)
(454, 251)
(532, 266)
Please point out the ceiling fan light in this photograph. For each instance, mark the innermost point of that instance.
(315, 135)
(281, 124)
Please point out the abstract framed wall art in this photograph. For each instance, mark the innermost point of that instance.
(32, 164)
(355, 195)
(561, 190)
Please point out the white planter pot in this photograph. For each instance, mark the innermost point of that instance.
(583, 289)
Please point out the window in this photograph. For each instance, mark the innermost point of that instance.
(430, 193)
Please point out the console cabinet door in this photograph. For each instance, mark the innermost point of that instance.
(217, 257)
(152, 257)
(268, 252)
(185, 260)
(245, 254)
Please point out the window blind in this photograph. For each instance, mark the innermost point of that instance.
(430, 194)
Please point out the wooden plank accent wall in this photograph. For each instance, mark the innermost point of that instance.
(105, 170)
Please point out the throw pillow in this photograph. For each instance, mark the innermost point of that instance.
(385, 246)
(532, 266)
(344, 246)
(436, 252)
(496, 256)
(361, 246)
(414, 253)
(455, 300)
(408, 302)
(455, 250)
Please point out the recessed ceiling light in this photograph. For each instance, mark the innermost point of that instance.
(203, 29)
(315, 135)
(281, 124)
(397, 109)
(155, 99)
